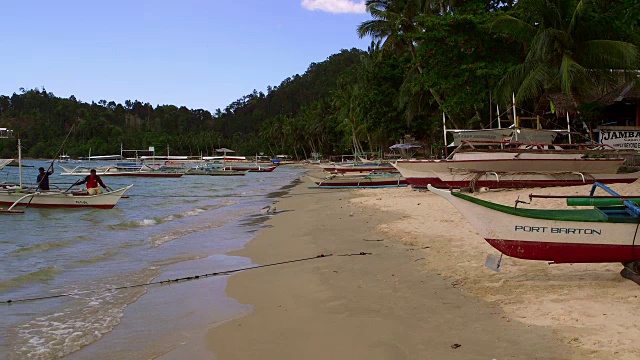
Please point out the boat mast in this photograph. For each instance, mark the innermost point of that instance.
(515, 117)
(444, 133)
(20, 161)
(569, 128)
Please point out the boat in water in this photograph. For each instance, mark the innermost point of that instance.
(15, 196)
(121, 169)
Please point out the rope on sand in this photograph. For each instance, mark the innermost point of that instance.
(182, 279)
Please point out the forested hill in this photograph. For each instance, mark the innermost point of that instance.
(462, 58)
(43, 120)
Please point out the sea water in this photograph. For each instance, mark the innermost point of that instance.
(168, 228)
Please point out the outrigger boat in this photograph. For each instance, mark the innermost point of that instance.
(373, 180)
(604, 234)
(515, 158)
(460, 178)
(121, 169)
(14, 195)
(18, 197)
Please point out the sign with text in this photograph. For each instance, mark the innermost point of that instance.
(621, 139)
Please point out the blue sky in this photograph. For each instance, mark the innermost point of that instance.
(197, 53)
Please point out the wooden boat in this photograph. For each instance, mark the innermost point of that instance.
(215, 172)
(250, 167)
(358, 168)
(138, 171)
(523, 159)
(373, 180)
(599, 235)
(18, 197)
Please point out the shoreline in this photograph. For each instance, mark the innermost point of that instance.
(386, 305)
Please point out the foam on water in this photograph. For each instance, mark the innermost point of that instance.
(91, 313)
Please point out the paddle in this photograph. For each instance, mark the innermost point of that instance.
(46, 174)
(74, 184)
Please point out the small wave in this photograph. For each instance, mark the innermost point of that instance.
(160, 220)
(105, 256)
(32, 277)
(41, 247)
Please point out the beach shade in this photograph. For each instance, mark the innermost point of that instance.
(225, 150)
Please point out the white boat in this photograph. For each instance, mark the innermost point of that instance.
(521, 160)
(596, 235)
(120, 170)
(18, 197)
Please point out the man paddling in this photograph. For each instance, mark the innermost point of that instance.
(43, 178)
(92, 181)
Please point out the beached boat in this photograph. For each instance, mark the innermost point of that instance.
(457, 178)
(373, 180)
(358, 168)
(18, 197)
(468, 161)
(598, 235)
(121, 169)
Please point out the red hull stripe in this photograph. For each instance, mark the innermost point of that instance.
(436, 182)
(377, 183)
(564, 252)
(57, 206)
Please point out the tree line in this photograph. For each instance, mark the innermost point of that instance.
(463, 58)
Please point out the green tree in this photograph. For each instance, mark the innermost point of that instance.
(564, 53)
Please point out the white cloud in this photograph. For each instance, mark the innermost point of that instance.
(336, 6)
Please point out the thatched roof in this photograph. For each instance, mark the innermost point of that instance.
(623, 89)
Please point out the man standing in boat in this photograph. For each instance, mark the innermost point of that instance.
(93, 180)
(43, 178)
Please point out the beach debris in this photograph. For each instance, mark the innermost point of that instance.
(372, 239)
(455, 346)
(493, 262)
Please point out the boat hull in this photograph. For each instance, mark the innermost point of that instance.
(386, 181)
(556, 240)
(520, 180)
(53, 199)
(515, 172)
(354, 169)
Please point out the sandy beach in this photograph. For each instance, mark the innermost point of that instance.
(422, 293)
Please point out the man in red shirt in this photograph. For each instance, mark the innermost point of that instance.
(93, 180)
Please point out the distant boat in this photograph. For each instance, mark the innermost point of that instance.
(121, 169)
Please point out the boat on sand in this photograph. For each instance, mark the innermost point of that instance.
(602, 234)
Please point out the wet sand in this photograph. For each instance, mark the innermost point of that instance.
(399, 302)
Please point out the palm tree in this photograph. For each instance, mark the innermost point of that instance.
(394, 22)
(563, 55)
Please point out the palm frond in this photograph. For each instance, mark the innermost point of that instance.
(535, 82)
(518, 29)
(609, 54)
